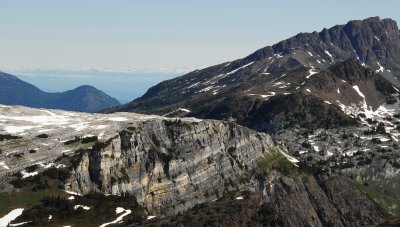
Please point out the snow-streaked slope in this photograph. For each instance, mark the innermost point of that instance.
(56, 127)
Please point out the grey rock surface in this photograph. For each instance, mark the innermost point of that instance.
(168, 164)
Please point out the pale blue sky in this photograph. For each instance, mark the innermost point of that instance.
(160, 36)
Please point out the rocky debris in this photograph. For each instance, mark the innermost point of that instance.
(226, 211)
(303, 202)
(353, 205)
(285, 201)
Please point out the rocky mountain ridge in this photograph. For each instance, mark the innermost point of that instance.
(164, 162)
(167, 166)
(375, 43)
(331, 98)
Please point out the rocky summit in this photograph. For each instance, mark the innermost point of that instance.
(373, 42)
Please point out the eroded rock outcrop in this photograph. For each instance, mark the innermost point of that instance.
(170, 165)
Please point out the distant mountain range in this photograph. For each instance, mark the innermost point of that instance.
(14, 91)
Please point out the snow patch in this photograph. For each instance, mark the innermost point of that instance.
(83, 207)
(73, 193)
(264, 96)
(17, 129)
(350, 153)
(234, 71)
(206, 89)
(239, 198)
(119, 218)
(19, 224)
(278, 83)
(118, 119)
(26, 174)
(179, 109)
(184, 110)
(327, 52)
(310, 73)
(380, 68)
(79, 126)
(384, 139)
(355, 87)
(119, 210)
(11, 216)
(101, 126)
(40, 120)
(45, 166)
(2, 164)
(290, 158)
(194, 85)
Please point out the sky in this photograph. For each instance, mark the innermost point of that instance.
(134, 44)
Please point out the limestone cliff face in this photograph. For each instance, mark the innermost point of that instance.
(171, 165)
